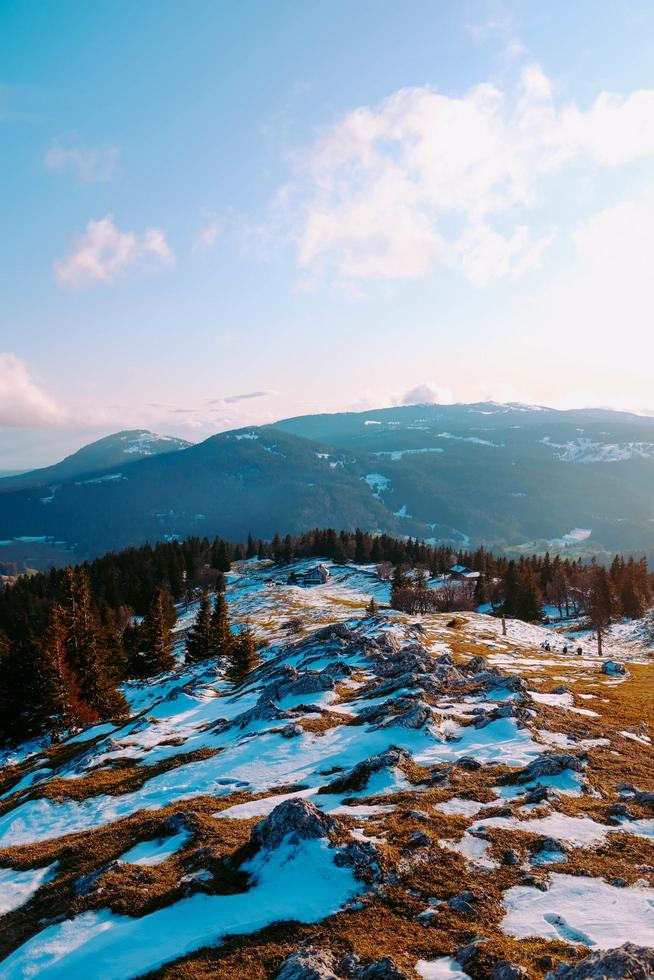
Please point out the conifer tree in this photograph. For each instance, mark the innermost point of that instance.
(242, 657)
(60, 696)
(221, 638)
(372, 608)
(156, 640)
(199, 644)
(84, 652)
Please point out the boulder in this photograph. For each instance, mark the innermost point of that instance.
(414, 717)
(507, 971)
(357, 778)
(322, 964)
(547, 764)
(628, 962)
(264, 710)
(361, 857)
(309, 964)
(292, 731)
(296, 819)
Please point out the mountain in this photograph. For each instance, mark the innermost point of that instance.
(260, 480)
(514, 477)
(119, 449)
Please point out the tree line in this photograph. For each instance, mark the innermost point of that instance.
(70, 637)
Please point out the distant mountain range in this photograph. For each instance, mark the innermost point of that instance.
(509, 476)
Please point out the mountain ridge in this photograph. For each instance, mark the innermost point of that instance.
(508, 476)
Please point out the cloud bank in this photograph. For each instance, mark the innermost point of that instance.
(426, 180)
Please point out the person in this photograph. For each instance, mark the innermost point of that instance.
(565, 647)
(580, 651)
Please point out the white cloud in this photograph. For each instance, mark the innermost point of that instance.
(90, 164)
(104, 254)
(427, 394)
(22, 402)
(424, 179)
(599, 312)
(207, 235)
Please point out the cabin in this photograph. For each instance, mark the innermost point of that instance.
(318, 575)
(461, 573)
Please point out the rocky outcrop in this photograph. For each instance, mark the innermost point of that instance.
(309, 964)
(508, 971)
(357, 778)
(294, 820)
(414, 717)
(322, 964)
(628, 962)
(548, 764)
(264, 710)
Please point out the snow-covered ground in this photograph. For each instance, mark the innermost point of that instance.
(401, 697)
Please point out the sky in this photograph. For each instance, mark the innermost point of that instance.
(216, 215)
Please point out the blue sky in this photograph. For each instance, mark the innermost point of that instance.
(220, 214)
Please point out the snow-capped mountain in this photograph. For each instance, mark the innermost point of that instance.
(118, 449)
(500, 475)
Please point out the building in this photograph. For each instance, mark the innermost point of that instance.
(317, 575)
(460, 572)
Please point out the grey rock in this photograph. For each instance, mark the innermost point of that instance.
(510, 857)
(361, 858)
(309, 964)
(357, 778)
(463, 902)
(548, 764)
(292, 731)
(627, 961)
(264, 710)
(298, 819)
(507, 971)
(384, 969)
(419, 839)
(415, 717)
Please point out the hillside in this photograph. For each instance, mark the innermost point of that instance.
(385, 799)
(512, 477)
(117, 450)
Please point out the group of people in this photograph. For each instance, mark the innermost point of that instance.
(567, 648)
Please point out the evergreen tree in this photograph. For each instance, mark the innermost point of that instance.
(220, 632)
(601, 603)
(528, 603)
(372, 608)
(242, 657)
(60, 695)
(84, 652)
(199, 644)
(156, 654)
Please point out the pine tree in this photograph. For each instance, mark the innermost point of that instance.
(528, 604)
(601, 603)
(372, 608)
(221, 637)
(199, 644)
(155, 638)
(242, 657)
(84, 652)
(60, 696)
